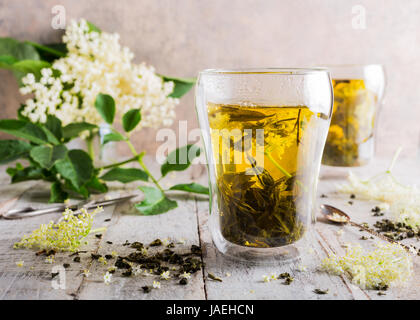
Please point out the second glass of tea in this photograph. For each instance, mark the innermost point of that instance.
(264, 132)
(358, 92)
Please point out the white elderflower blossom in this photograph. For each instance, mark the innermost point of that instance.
(97, 63)
(156, 284)
(107, 278)
(185, 275)
(19, 263)
(50, 259)
(165, 275)
(137, 270)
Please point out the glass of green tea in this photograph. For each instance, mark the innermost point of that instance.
(264, 132)
(358, 91)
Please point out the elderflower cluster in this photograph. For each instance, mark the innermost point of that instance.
(66, 235)
(404, 200)
(97, 63)
(389, 264)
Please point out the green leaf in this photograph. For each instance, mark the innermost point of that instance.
(154, 202)
(47, 156)
(113, 136)
(95, 184)
(17, 50)
(28, 173)
(53, 124)
(191, 187)
(23, 67)
(92, 27)
(73, 130)
(13, 149)
(76, 166)
(57, 194)
(49, 52)
(180, 159)
(131, 119)
(105, 105)
(6, 61)
(24, 129)
(125, 175)
(181, 85)
(81, 191)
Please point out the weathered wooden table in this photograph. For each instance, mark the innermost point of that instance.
(189, 222)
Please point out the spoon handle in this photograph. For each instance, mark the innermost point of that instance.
(377, 234)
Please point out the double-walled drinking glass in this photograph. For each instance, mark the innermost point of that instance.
(358, 92)
(264, 133)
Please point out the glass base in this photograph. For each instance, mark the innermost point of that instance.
(262, 256)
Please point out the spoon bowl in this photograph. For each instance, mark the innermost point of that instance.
(334, 214)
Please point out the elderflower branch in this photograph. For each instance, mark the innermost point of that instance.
(66, 235)
(394, 159)
(140, 161)
(89, 145)
(117, 164)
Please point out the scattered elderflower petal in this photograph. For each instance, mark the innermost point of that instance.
(340, 232)
(103, 260)
(266, 278)
(20, 263)
(49, 259)
(165, 275)
(181, 241)
(389, 264)
(185, 275)
(383, 206)
(114, 254)
(273, 276)
(228, 274)
(86, 273)
(156, 284)
(301, 268)
(107, 278)
(137, 270)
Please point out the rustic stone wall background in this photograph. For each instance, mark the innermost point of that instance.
(184, 36)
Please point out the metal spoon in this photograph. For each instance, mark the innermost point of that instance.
(335, 215)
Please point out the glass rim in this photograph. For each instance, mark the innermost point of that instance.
(265, 71)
